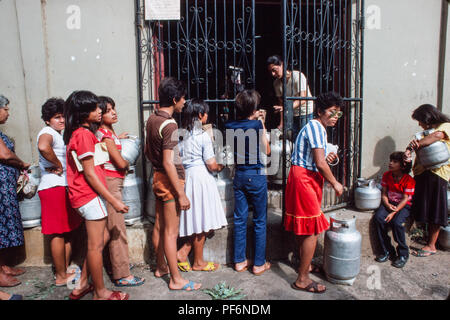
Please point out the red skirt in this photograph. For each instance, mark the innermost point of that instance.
(304, 214)
(57, 216)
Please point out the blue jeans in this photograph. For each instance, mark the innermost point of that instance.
(298, 123)
(250, 187)
(398, 230)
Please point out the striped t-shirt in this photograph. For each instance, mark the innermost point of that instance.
(312, 136)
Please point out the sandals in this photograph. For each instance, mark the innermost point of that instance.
(423, 253)
(136, 281)
(73, 296)
(209, 267)
(313, 285)
(266, 267)
(190, 286)
(184, 266)
(115, 295)
(244, 268)
(8, 281)
(13, 271)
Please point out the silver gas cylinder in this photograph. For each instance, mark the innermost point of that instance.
(131, 149)
(30, 209)
(367, 195)
(434, 155)
(132, 196)
(342, 250)
(276, 150)
(225, 186)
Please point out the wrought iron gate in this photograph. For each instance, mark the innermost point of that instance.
(212, 48)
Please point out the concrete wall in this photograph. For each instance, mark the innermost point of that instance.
(446, 95)
(400, 73)
(52, 47)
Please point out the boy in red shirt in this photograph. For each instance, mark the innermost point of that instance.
(398, 189)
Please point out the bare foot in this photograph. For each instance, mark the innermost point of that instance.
(12, 271)
(161, 271)
(60, 281)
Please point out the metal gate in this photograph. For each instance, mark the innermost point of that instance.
(212, 48)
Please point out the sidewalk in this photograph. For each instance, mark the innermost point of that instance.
(421, 278)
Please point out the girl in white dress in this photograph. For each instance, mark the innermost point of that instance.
(206, 212)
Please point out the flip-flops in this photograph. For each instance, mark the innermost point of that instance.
(422, 253)
(244, 268)
(184, 266)
(313, 285)
(115, 295)
(16, 297)
(266, 267)
(190, 286)
(72, 296)
(209, 267)
(13, 271)
(136, 281)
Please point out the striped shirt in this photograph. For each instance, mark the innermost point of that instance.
(312, 136)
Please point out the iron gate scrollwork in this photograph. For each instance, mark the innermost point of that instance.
(212, 48)
(324, 40)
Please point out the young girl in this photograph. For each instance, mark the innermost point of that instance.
(87, 189)
(429, 204)
(115, 170)
(206, 212)
(58, 218)
(398, 188)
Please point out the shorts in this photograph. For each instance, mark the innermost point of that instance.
(162, 188)
(93, 210)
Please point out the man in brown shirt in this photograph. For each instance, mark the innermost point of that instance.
(168, 181)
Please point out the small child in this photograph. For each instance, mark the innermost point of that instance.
(206, 212)
(168, 181)
(87, 189)
(250, 182)
(115, 170)
(398, 189)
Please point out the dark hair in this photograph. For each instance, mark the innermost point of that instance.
(169, 89)
(275, 59)
(77, 108)
(398, 157)
(246, 102)
(51, 107)
(429, 114)
(103, 103)
(192, 109)
(327, 100)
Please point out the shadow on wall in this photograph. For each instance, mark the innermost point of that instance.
(383, 149)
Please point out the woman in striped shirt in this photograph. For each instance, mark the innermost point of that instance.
(309, 169)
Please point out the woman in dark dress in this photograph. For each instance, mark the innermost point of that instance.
(11, 231)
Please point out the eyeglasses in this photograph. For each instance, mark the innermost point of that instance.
(335, 113)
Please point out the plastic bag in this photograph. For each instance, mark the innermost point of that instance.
(25, 187)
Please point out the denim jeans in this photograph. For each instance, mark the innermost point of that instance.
(398, 230)
(298, 123)
(250, 187)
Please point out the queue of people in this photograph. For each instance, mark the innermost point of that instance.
(83, 172)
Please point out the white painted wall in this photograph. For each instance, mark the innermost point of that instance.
(50, 48)
(400, 73)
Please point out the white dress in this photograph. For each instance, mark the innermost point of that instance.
(206, 212)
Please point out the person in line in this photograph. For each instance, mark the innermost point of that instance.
(398, 188)
(11, 229)
(58, 219)
(161, 148)
(115, 170)
(296, 86)
(309, 169)
(429, 203)
(250, 182)
(88, 190)
(206, 212)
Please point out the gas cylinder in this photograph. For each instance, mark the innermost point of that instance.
(342, 250)
(132, 196)
(30, 209)
(367, 195)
